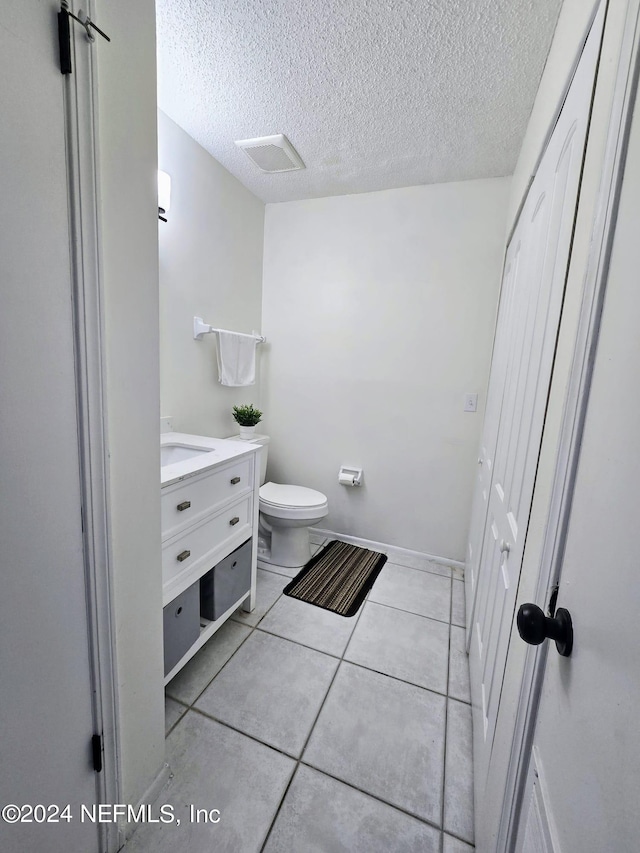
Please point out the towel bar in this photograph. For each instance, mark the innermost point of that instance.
(201, 328)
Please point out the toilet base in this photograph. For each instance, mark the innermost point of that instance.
(290, 547)
(287, 537)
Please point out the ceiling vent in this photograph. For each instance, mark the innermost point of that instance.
(272, 153)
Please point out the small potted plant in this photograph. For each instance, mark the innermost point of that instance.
(247, 417)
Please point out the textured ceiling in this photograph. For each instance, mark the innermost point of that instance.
(373, 94)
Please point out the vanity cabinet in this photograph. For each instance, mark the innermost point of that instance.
(209, 507)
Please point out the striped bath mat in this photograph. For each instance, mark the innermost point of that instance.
(337, 578)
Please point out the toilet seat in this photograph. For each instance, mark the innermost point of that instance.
(283, 501)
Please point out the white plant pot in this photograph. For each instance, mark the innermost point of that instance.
(247, 433)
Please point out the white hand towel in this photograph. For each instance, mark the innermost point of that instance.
(236, 359)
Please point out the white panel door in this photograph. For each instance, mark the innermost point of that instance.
(510, 284)
(46, 695)
(586, 738)
(547, 224)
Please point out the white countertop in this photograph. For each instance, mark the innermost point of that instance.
(219, 450)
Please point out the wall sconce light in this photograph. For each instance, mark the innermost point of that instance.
(164, 194)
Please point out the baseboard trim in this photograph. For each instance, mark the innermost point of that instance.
(127, 828)
(320, 533)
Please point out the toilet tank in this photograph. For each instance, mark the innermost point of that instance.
(264, 441)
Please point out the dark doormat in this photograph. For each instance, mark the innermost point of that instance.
(337, 578)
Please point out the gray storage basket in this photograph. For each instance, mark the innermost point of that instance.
(228, 581)
(181, 625)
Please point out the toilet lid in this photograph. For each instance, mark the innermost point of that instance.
(277, 494)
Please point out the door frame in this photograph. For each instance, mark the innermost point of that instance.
(81, 141)
(574, 413)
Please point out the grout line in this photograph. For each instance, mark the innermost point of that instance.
(409, 612)
(252, 629)
(412, 612)
(344, 659)
(422, 569)
(390, 562)
(470, 844)
(254, 738)
(274, 572)
(396, 678)
(374, 796)
(446, 721)
(313, 725)
(178, 701)
(186, 708)
(299, 761)
(341, 660)
(298, 643)
(341, 657)
(242, 642)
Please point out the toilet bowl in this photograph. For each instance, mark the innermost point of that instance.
(285, 515)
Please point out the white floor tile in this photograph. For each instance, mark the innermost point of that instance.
(172, 713)
(415, 561)
(215, 767)
(322, 815)
(416, 592)
(454, 845)
(383, 737)
(401, 644)
(277, 570)
(458, 616)
(459, 666)
(271, 689)
(189, 683)
(458, 782)
(312, 626)
(266, 679)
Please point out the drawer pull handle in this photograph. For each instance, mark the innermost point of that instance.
(235, 480)
(183, 556)
(234, 520)
(184, 505)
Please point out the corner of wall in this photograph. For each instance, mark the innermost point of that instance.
(211, 258)
(128, 163)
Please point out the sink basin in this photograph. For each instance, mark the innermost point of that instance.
(177, 452)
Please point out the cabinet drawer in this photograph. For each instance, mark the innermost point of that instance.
(187, 551)
(183, 504)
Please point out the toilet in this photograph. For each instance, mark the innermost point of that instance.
(286, 514)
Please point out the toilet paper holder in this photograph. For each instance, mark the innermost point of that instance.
(348, 476)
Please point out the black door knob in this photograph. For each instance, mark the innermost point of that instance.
(534, 627)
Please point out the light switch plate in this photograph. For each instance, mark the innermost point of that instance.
(470, 402)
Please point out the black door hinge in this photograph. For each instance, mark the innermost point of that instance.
(96, 751)
(64, 33)
(64, 41)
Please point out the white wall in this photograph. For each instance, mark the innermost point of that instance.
(380, 311)
(127, 101)
(210, 267)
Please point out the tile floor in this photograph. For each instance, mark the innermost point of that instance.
(312, 732)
